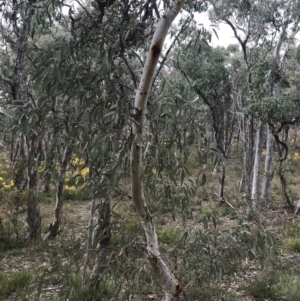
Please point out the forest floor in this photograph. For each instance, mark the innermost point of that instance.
(45, 270)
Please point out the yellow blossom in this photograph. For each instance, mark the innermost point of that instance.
(296, 156)
(70, 188)
(84, 171)
(77, 161)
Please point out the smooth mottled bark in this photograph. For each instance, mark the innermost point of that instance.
(256, 168)
(278, 58)
(248, 157)
(167, 278)
(266, 184)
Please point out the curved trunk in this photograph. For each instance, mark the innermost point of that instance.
(54, 227)
(168, 279)
(284, 187)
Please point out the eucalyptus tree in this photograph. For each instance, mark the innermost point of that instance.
(96, 71)
(204, 68)
(82, 71)
(170, 281)
(18, 25)
(255, 24)
(239, 91)
(237, 16)
(62, 83)
(279, 110)
(288, 25)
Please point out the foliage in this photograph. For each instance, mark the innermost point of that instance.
(12, 209)
(262, 287)
(293, 244)
(275, 286)
(206, 292)
(288, 286)
(169, 236)
(292, 230)
(76, 179)
(273, 109)
(75, 86)
(74, 290)
(13, 282)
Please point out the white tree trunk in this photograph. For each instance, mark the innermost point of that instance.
(248, 157)
(256, 169)
(89, 241)
(265, 191)
(278, 57)
(168, 279)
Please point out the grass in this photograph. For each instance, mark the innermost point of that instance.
(47, 198)
(169, 235)
(76, 291)
(117, 240)
(292, 230)
(206, 210)
(12, 235)
(276, 285)
(262, 287)
(211, 292)
(293, 244)
(287, 287)
(14, 282)
(133, 226)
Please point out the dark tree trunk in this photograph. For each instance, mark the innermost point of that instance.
(283, 188)
(54, 227)
(33, 208)
(102, 233)
(222, 182)
(49, 158)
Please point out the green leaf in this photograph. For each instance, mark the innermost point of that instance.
(182, 176)
(24, 73)
(110, 113)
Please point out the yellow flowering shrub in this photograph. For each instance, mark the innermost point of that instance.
(76, 179)
(295, 157)
(9, 199)
(6, 173)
